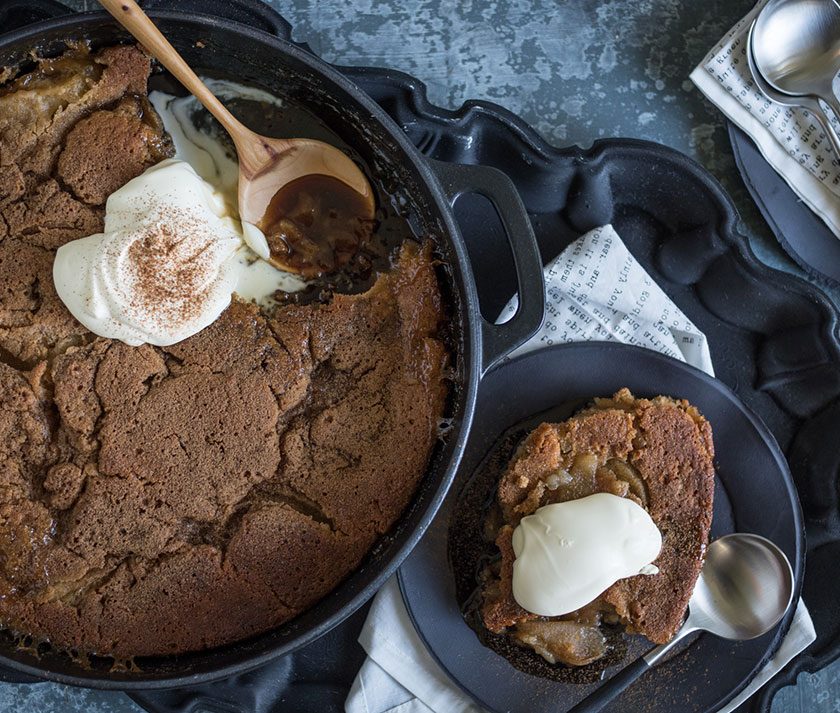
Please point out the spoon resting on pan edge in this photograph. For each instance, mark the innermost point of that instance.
(313, 203)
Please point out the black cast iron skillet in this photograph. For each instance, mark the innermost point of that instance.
(232, 50)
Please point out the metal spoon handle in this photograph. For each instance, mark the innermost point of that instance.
(625, 678)
(810, 103)
(613, 688)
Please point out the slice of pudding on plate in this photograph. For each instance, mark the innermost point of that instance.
(571, 562)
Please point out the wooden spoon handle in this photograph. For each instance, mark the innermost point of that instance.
(129, 14)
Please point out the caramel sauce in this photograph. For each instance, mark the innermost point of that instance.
(316, 225)
(74, 65)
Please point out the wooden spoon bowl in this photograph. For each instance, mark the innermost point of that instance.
(269, 166)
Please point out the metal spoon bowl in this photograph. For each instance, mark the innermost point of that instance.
(808, 102)
(796, 47)
(744, 589)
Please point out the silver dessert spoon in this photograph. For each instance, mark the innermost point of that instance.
(794, 47)
(743, 591)
(797, 47)
(806, 102)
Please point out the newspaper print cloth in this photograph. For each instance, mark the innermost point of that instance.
(789, 138)
(597, 291)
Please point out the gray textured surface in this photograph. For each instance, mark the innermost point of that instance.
(577, 70)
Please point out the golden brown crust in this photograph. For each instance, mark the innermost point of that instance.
(248, 461)
(669, 445)
(161, 500)
(92, 168)
(71, 132)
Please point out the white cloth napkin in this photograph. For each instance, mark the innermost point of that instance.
(791, 141)
(595, 290)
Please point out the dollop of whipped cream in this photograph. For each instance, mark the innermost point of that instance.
(568, 553)
(166, 265)
(181, 217)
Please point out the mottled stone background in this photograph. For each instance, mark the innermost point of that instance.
(577, 70)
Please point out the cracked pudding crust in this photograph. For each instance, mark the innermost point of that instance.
(71, 132)
(163, 500)
(657, 452)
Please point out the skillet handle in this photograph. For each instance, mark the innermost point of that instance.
(499, 340)
(15, 14)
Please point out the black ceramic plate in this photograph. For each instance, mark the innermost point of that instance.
(752, 482)
(800, 231)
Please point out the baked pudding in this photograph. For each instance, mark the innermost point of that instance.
(163, 499)
(658, 454)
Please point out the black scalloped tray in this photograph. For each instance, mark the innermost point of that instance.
(774, 337)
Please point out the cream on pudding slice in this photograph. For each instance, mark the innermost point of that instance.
(570, 552)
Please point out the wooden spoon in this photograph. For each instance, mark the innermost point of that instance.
(266, 165)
